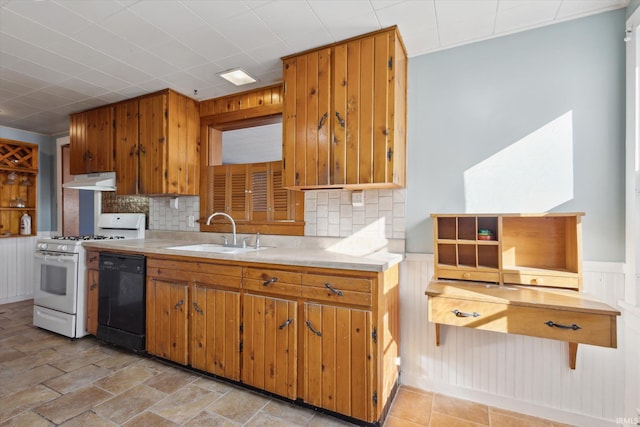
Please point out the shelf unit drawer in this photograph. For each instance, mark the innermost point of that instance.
(533, 279)
(458, 274)
(590, 328)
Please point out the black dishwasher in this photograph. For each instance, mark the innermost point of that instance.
(121, 300)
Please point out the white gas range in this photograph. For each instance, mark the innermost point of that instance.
(59, 295)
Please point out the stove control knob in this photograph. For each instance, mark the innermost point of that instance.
(42, 245)
(62, 247)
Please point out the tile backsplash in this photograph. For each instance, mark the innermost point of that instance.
(331, 213)
(173, 213)
(327, 213)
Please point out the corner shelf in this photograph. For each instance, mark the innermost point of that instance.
(18, 183)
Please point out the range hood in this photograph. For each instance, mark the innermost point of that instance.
(102, 181)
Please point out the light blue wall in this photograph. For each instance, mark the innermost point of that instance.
(469, 103)
(633, 5)
(46, 173)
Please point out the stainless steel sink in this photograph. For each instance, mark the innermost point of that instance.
(213, 248)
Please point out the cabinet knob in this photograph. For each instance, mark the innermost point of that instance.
(467, 275)
(537, 281)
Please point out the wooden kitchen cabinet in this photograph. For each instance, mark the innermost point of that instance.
(91, 143)
(215, 319)
(18, 186)
(329, 337)
(158, 145)
(339, 360)
(269, 351)
(344, 120)
(92, 292)
(167, 331)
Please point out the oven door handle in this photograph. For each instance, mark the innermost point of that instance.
(49, 258)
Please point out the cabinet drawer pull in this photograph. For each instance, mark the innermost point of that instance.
(322, 120)
(335, 291)
(552, 324)
(270, 281)
(340, 119)
(285, 324)
(179, 303)
(141, 149)
(318, 333)
(459, 313)
(197, 308)
(93, 286)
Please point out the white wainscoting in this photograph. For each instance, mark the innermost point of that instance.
(525, 374)
(16, 268)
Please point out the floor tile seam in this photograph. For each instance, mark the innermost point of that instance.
(474, 423)
(525, 418)
(218, 415)
(258, 411)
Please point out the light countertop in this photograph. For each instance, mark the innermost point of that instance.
(295, 256)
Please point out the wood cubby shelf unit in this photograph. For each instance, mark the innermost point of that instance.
(534, 264)
(524, 249)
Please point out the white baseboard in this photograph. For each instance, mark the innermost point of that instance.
(15, 299)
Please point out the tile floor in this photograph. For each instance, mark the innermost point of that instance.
(47, 379)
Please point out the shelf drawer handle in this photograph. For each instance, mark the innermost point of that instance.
(179, 303)
(310, 326)
(285, 324)
(197, 308)
(270, 281)
(459, 313)
(552, 324)
(332, 289)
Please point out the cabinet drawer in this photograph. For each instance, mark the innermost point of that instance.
(274, 288)
(481, 276)
(568, 282)
(92, 260)
(345, 297)
(564, 325)
(275, 282)
(357, 284)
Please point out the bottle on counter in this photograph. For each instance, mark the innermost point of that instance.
(25, 225)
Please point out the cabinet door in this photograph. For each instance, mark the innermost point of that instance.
(215, 331)
(237, 192)
(152, 144)
(259, 194)
(167, 328)
(99, 154)
(269, 357)
(339, 360)
(77, 143)
(363, 103)
(91, 324)
(126, 147)
(307, 119)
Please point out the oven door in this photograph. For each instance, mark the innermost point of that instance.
(56, 279)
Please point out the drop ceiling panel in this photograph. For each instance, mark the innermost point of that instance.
(74, 55)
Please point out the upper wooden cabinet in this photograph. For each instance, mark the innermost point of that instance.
(345, 114)
(91, 141)
(158, 145)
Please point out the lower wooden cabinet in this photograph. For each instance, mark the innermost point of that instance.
(270, 347)
(167, 324)
(327, 337)
(338, 360)
(215, 331)
(91, 322)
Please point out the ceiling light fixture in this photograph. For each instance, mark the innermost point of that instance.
(237, 76)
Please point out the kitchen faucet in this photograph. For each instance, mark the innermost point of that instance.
(233, 224)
